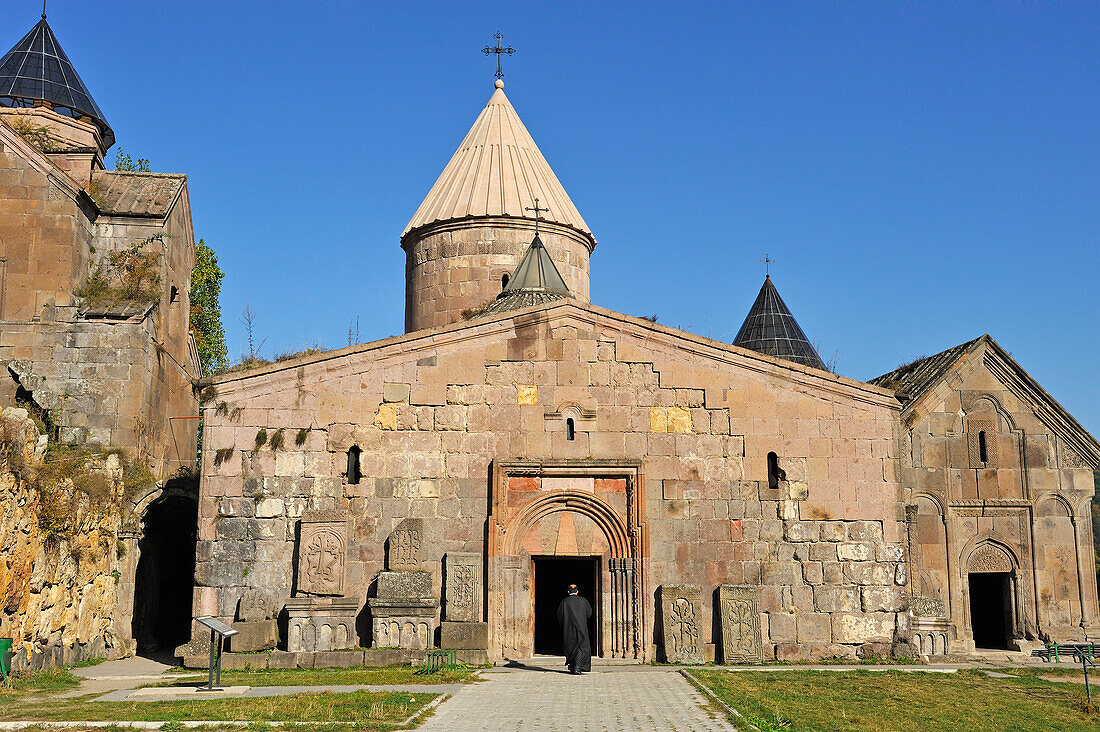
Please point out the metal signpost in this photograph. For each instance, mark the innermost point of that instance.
(219, 631)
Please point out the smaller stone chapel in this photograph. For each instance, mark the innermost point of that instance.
(714, 501)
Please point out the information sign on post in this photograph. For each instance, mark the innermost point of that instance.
(219, 631)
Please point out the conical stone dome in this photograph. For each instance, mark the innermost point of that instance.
(771, 329)
(36, 69)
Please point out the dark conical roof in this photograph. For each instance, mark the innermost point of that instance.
(36, 69)
(536, 280)
(770, 329)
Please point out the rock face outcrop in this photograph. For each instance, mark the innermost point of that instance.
(59, 574)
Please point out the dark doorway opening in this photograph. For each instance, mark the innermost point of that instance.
(989, 609)
(165, 574)
(551, 576)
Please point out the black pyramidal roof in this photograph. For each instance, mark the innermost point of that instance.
(772, 330)
(36, 69)
(536, 280)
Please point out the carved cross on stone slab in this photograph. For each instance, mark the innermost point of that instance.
(405, 547)
(680, 610)
(322, 553)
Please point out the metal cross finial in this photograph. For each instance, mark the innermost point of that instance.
(536, 209)
(767, 264)
(498, 51)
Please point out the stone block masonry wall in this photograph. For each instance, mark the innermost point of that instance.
(431, 412)
(451, 268)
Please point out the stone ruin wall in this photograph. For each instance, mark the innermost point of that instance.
(107, 382)
(826, 549)
(59, 600)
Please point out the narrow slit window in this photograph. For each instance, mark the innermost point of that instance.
(570, 429)
(353, 465)
(775, 473)
(175, 294)
(983, 449)
(503, 280)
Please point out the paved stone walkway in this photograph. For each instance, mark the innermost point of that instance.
(611, 699)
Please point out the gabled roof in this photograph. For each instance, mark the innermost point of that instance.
(125, 193)
(37, 69)
(498, 171)
(536, 280)
(912, 381)
(771, 329)
(916, 377)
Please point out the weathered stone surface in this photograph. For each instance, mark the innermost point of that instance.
(321, 623)
(403, 585)
(927, 607)
(462, 586)
(322, 553)
(403, 623)
(464, 635)
(256, 605)
(256, 635)
(680, 610)
(740, 624)
(405, 546)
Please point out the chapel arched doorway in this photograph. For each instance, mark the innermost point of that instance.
(556, 523)
(991, 586)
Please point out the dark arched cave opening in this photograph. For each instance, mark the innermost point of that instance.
(165, 574)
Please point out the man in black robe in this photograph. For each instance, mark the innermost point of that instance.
(574, 613)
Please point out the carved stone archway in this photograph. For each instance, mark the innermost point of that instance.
(513, 516)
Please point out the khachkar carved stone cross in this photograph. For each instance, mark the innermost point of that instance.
(462, 587)
(680, 605)
(740, 623)
(404, 549)
(498, 50)
(322, 553)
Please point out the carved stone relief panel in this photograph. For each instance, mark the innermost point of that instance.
(989, 559)
(322, 553)
(680, 610)
(740, 624)
(405, 547)
(462, 586)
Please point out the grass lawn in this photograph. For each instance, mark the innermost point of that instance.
(372, 710)
(333, 676)
(30, 698)
(897, 701)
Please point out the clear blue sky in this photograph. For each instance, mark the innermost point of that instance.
(923, 172)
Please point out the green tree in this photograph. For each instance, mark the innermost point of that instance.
(125, 162)
(206, 310)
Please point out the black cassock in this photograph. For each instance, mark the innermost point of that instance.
(574, 613)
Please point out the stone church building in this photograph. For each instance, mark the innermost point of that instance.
(737, 502)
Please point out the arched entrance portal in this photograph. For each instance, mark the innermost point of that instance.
(165, 575)
(991, 585)
(556, 523)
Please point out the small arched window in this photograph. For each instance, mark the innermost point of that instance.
(570, 429)
(983, 449)
(775, 473)
(175, 295)
(503, 281)
(353, 465)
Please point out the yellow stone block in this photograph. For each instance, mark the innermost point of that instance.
(527, 394)
(386, 418)
(658, 419)
(679, 420)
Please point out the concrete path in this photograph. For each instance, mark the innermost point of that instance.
(541, 695)
(125, 673)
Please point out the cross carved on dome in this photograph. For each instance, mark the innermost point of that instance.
(498, 51)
